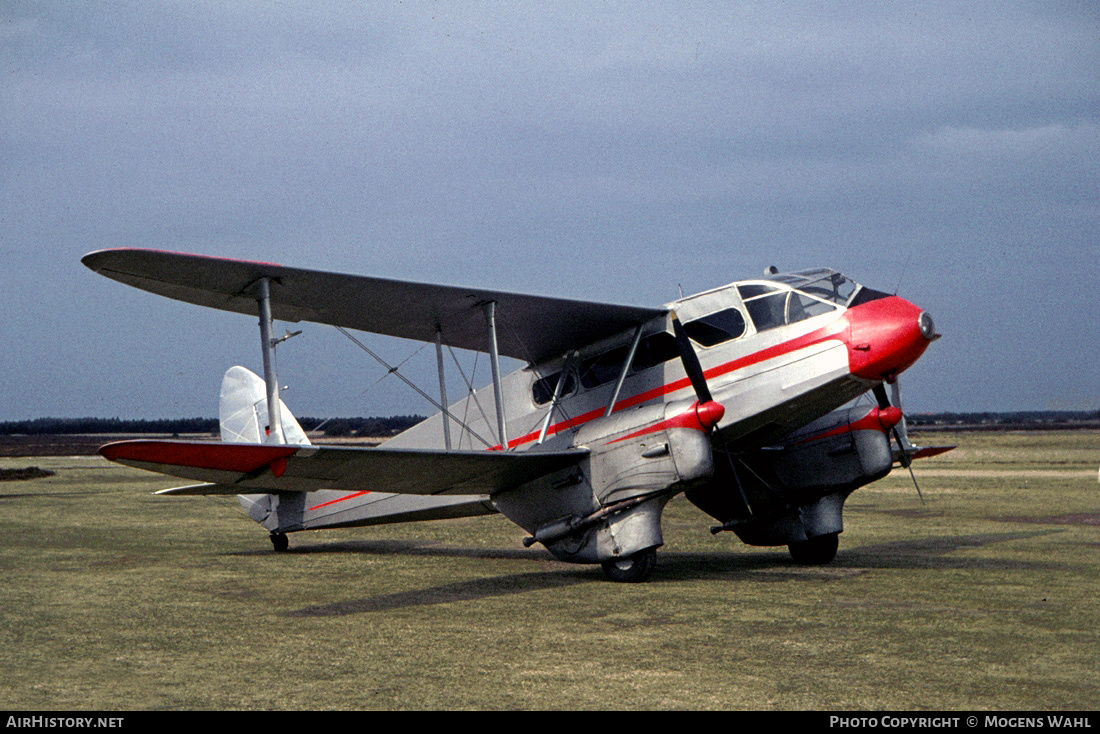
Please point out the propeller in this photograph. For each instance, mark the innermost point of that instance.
(901, 433)
(691, 361)
(708, 411)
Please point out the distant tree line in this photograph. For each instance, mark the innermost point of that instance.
(394, 424)
(330, 427)
(337, 427)
(1023, 417)
(40, 426)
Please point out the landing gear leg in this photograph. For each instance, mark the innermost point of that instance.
(279, 540)
(815, 551)
(632, 569)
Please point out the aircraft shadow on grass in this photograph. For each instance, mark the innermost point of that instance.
(924, 553)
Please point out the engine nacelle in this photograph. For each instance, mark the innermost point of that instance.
(610, 507)
(795, 490)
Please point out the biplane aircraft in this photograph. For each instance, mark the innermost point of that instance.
(742, 397)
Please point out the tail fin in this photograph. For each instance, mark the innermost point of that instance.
(242, 410)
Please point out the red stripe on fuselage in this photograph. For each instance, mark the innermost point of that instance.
(835, 330)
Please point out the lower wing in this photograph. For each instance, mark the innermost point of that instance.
(261, 468)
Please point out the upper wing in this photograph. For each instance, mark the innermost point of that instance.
(261, 468)
(531, 328)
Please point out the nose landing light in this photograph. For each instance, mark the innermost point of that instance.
(927, 326)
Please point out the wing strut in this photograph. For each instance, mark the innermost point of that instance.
(442, 388)
(274, 419)
(626, 369)
(494, 363)
(562, 377)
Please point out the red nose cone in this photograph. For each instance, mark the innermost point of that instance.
(886, 336)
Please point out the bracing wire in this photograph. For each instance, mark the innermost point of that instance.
(472, 393)
(390, 369)
(560, 407)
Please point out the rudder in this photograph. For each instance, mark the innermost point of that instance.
(242, 410)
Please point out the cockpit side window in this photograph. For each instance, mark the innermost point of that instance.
(718, 327)
(800, 307)
(787, 307)
(768, 312)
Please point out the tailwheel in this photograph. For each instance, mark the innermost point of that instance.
(815, 551)
(280, 541)
(632, 569)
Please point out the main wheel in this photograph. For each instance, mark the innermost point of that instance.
(632, 569)
(280, 541)
(815, 551)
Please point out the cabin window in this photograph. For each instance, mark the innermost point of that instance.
(604, 368)
(652, 350)
(716, 328)
(655, 349)
(543, 390)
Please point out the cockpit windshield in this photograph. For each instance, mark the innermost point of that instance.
(808, 293)
(822, 283)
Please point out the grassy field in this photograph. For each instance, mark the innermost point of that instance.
(985, 597)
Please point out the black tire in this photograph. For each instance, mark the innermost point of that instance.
(280, 542)
(631, 569)
(815, 551)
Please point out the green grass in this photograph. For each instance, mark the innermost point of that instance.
(984, 598)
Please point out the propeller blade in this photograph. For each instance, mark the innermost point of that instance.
(895, 392)
(879, 391)
(901, 429)
(901, 435)
(691, 361)
(914, 476)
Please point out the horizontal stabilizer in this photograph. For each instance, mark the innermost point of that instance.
(261, 468)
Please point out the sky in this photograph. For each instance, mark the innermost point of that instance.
(607, 151)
